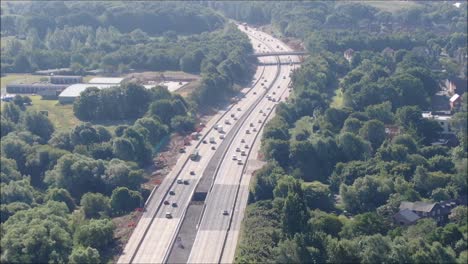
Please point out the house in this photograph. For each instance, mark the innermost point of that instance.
(455, 102)
(392, 131)
(348, 54)
(442, 117)
(405, 217)
(388, 52)
(437, 211)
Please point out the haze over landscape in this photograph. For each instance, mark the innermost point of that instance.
(233, 132)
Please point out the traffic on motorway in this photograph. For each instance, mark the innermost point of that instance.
(157, 230)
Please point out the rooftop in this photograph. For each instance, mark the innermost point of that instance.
(454, 98)
(417, 206)
(106, 80)
(409, 215)
(75, 90)
(441, 117)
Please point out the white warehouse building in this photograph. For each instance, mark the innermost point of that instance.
(73, 91)
(106, 80)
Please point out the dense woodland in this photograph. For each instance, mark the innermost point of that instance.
(334, 179)
(61, 189)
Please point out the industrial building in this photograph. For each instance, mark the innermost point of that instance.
(73, 91)
(106, 80)
(34, 88)
(65, 79)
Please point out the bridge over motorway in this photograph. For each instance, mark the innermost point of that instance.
(280, 53)
(282, 63)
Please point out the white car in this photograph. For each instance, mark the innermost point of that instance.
(168, 215)
(179, 181)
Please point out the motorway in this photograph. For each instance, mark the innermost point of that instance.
(157, 237)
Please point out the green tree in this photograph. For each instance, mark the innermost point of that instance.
(95, 205)
(61, 195)
(295, 215)
(84, 255)
(97, 233)
(38, 124)
(183, 124)
(124, 200)
(374, 132)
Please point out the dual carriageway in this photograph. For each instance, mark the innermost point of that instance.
(195, 215)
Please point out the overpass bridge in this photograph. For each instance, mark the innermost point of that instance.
(282, 63)
(280, 53)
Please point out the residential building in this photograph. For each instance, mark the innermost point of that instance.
(405, 217)
(443, 118)
(437, 211)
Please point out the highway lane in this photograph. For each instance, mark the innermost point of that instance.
(152, 235)
(215, 235)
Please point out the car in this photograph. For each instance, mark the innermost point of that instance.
(234, 157)
(235, 118)
(213, 148)
(166, 202)
(251, 124)
(204, 141)
(274, 93)
(179, 181)
(192, 172)
(238, 150)
(259, 121)
(168, 215)
(225, 212)
(277, 46)
(254, 93)
(284, 77)
(278, 87)
(171, 192)
(246, 146)
(254, 129)
(221, 136)
(243, 153)
(239, 162)
(174, 204)
(182, 150)
(264, 114)
(247, 131)
(242, 140)
(261, 84)
(268, 108)
(233, 115)
(239, 109)
(261, 111)
(186, 182)
(273, 99)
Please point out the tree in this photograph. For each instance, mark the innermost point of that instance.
(61, 195)
(40, 234)
(183, 124)
(295, 215)
(293, 251)
(156, 130)
(84, 255)
(318, 196)
(97, 233)
(375, 249)
(365, 194)
(124, 200)
(364, 225)
(381, 112)
(353, 147)
(123, 149)
(8, 170)
(95, 205)
(352, 125)
(11, 112)
(374, 132)
(77, 174)
(38, 124)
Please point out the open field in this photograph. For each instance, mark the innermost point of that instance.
(61, 115)
(391, 6)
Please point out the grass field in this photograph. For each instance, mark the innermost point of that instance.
(391, 6)
(18, 78)
(61, 115)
